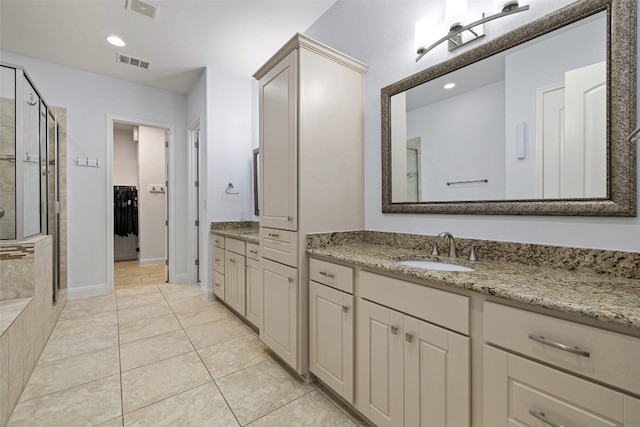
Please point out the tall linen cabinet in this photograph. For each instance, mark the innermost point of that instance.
(311, 177)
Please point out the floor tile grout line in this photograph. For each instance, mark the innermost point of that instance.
(279, 407)
(226, 402)
(221, 342)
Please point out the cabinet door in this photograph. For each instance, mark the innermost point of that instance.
(279, 321)
(380, 364)
(278, 145)
(520, 392)
(436, 376)
(254, 292)
(331, 338)
(234, 294)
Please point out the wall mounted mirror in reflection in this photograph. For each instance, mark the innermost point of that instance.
(529, 123)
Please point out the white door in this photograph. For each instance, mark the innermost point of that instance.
(279, 323)
(585, 157)
(278, 146)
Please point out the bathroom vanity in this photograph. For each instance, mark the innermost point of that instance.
(505, 344)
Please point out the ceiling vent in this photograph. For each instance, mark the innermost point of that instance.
(142, 7)
(136, 62)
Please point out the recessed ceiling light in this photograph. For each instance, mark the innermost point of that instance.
(116, 41)
(449, 85)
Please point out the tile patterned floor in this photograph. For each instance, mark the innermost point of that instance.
(127, 274)
(160, 355)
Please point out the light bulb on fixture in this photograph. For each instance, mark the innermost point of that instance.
(116, 41)
(455, 12)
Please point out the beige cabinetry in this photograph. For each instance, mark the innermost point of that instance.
(331, 326)
(254, 285)
(410, 371)
(279, 326)
(540, 370)
(311, 176)
(234, 275)
(218, 266)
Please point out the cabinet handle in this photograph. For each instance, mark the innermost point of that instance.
(290, 280)
(329, 275)
(574, 350)
(543, 418)
(394, 330)
(274, 235)
(217, 259)
(253, 252)
(408, 337)
(345, 309)
(289, 218)
(232, 260)
(217, 241)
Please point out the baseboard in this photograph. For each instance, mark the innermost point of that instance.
(125, 257)
(152, 261)
(207, 293)
(88, 291)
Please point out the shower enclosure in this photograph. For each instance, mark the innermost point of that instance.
(29, 166)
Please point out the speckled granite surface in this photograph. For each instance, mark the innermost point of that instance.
(610, 298)
(248, 231)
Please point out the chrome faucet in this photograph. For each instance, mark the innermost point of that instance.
(452, 244)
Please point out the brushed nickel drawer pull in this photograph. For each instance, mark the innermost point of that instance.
(329, 275)
(217, 259)
(574, 350)
(394, 330)
(289, 218)
(290, 280)
(345, 309)
(274, 235)
(543, 418)
(408, 337)
(232, 260)
(253, 252)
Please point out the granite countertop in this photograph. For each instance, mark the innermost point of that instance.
(601, 297)
(248, 234)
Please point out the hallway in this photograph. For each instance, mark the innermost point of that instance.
(160, 355)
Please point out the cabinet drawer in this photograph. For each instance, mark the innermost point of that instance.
(218, 241)
(279, 245)
(234, 245)
(253, 251)
(524, 392)
(218, 285)
(218, 259)
(433, 305)
(606, 356)
(336, 276)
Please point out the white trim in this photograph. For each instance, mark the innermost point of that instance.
(89, 291)
(111, 119)
(151, 261)
(191, 196)
(540, 92)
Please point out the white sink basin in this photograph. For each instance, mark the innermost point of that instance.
(435, 265)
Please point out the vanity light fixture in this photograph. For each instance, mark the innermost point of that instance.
(115, 40)
(460, 34)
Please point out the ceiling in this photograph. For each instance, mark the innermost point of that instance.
(230, 36)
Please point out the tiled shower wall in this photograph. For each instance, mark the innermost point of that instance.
(7, 167)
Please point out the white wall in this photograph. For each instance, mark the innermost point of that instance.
(450, 155)
(229, 146)
(125, 158)
(381, 35)
(151, 205)
(88, 98)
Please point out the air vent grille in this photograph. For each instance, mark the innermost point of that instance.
(142, 7)
(136, 62)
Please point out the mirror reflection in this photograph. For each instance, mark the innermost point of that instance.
(527, 123)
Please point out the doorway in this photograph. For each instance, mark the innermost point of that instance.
(138, 199)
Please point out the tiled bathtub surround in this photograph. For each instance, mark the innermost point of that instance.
(562, 279)
(25, 323)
